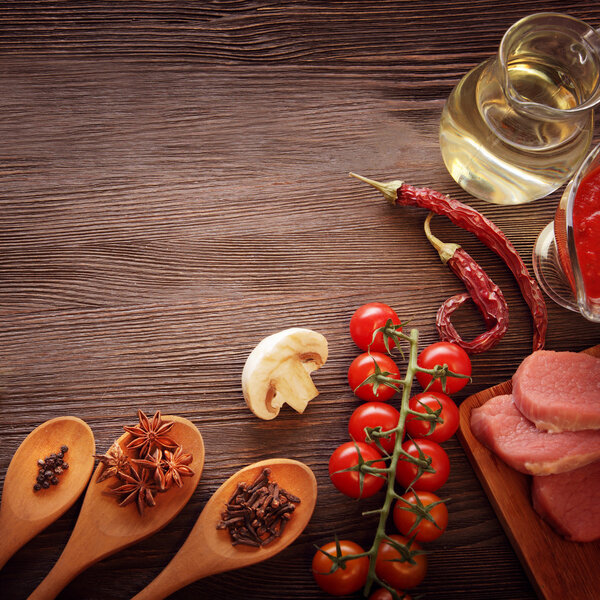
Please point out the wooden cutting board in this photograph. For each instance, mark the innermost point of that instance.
(557, 568)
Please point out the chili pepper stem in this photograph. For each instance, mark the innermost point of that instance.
(389, 189)
(470, 219)
(445, 250)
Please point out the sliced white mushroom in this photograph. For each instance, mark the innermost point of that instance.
(277, 372)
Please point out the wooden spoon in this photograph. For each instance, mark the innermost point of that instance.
(208, 550)
(24, 513)
(104, 527)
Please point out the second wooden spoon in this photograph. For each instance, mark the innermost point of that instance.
(104, 527)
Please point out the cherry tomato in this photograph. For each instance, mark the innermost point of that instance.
(342, 581)
(433, 401)
(406, 471)
(348, 482)
(366, 320)
(364, 366)
(383, 594)
(444, 353)
(425, 531)
(374, 414)
(397, 572)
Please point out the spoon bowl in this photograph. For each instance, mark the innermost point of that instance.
(104, 527)
(209, 550)
(24, 513)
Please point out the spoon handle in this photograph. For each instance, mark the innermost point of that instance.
(173, 577)
(73, 561)
(192, 562)
(13, 534)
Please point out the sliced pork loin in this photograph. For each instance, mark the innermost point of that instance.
(500, 426)
(559, 391)
(569, 502)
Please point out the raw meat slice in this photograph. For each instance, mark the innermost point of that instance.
(569, 502)
(559, 391)
(500, 426)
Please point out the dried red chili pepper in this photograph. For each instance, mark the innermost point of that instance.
(397, 192)
(486, 295)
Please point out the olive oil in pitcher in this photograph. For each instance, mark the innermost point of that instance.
(517, 126)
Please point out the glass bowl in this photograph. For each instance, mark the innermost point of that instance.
(559, 264)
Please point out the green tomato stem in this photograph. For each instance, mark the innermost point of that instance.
(391, 495)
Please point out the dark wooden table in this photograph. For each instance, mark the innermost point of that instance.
(173, 188)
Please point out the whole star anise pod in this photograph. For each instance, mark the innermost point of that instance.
(148, 435)
(176, 466)
(139, 487)
(115, 463)
(153, 462)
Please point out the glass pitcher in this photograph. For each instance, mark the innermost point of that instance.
(517, 126)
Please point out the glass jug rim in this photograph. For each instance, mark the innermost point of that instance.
(585, 306)
(591, 39)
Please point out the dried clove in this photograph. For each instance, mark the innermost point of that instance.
(256, 514)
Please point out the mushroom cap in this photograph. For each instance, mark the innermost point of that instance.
(278, 371)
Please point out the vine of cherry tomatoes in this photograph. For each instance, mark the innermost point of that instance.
(419, 515)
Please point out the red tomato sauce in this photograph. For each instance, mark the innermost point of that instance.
(586, 223)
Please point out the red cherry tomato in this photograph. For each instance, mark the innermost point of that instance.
(374, 414)
(444, 353)
(395, 570)
(405, 519)
(349, 482)
(429, 403)
(364, 366)
(383, 594)
(406, 471)
(366, 320)
(342, 581)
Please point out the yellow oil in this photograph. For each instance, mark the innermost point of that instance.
(509, 156)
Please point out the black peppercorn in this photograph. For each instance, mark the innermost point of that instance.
(50, 468)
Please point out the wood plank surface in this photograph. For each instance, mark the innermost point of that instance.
(557, 568)
(174, 187)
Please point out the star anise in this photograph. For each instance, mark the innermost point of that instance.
(176, 466)
(115, 463)
(149, 435)
(153, 462)
(139, 487)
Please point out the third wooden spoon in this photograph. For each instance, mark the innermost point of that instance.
(209, 550)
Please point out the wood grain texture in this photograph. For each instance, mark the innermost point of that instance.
(173, 188)
(557, 568)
